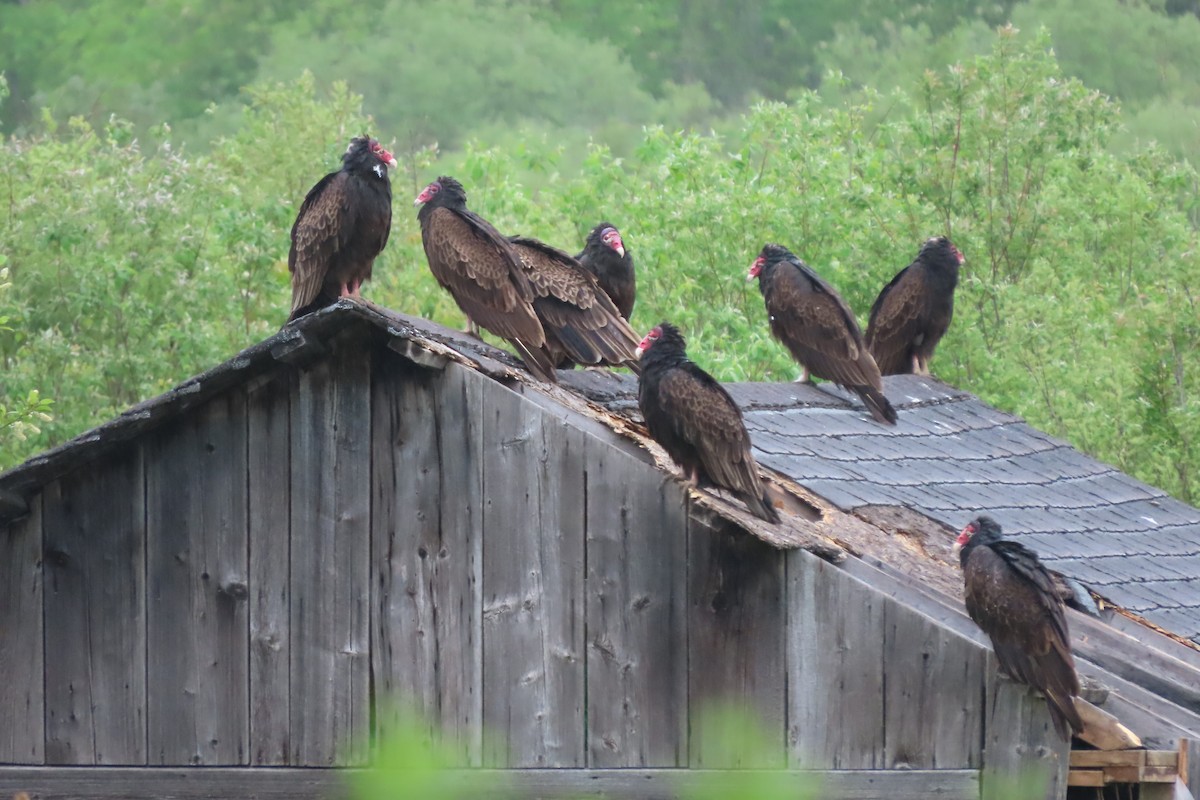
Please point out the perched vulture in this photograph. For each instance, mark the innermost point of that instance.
(482, 272)
(696, 421)
(605, 256)
(581, 323)
(814, 323)
(912, 313)
(1010, 596)
(342, 226)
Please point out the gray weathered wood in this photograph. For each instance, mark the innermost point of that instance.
(330, 562)
(427, 539)
(94, 525)
(1021, 747)
(736, 655)
(533, 577)
(835, 667)
(933, 709)
(636, 613)
(268, 462)
(22, 647)
(217, 783)
(197, 612)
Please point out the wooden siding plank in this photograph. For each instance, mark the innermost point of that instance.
(835, 668)
(533, 580)
(330, 563)
(736, 655)
(219, 783)
(636, 613)
(22, 643)
(197, 616)
(1021, 748)
(933, 703)
(94, 525)
(268, 461)
(427, 538)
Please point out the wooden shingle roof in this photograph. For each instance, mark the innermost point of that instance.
(952, 457)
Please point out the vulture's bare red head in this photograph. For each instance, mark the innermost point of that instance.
(648, 340)
(428, 193)
(383, 155)
(942, 247)
(611, 237)
(756, 268)
(966, 533)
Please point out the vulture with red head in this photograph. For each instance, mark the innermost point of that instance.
(817, 327)
(482, 271)
(342, 226)
(913, 312)
(696, 421)
(581, 323)
(605, 256)
(1011, 596)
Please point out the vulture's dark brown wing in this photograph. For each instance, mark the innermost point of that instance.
(575, 312)
(482, 271)
(897, 320)
(703, 414)
(323, 226)
(820, 331)
(1011, 596)
(815, 324)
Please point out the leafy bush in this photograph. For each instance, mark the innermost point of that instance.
(1076, 307)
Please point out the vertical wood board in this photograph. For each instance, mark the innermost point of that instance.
(330, 564)
(736, 656)
(268, 461)
(933, 712)
(197, 612)
(426, 539)
(1022, 753)
(94, 526)
(636, 613)
(22, 646)
(835, 668)
(533, 579)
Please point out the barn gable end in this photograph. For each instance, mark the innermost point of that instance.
(243, 574)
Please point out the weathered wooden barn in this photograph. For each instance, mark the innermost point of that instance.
(218, 593)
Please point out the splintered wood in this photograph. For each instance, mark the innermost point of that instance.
(1102, 767)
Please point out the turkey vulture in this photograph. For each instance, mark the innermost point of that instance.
(912, 313)
(605, 256)
(1011, 596)
(482, 271)
(696, 421)
(581, 323)
(342, 226)
(814, 323)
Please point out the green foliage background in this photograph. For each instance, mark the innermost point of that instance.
(140, 253)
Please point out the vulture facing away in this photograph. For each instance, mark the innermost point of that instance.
(342, 226)
(482, 271)
(913, 312)
(696, 421)
(1011, 596)
(814, 323)
(581, 323)
(605, 256)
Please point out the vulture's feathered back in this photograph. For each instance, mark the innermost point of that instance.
(581, 323)
(482, 271)
(605, 256)
(913, 312)
(1011, 596)
(696, 421)
(817, 327)
(342, 226)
